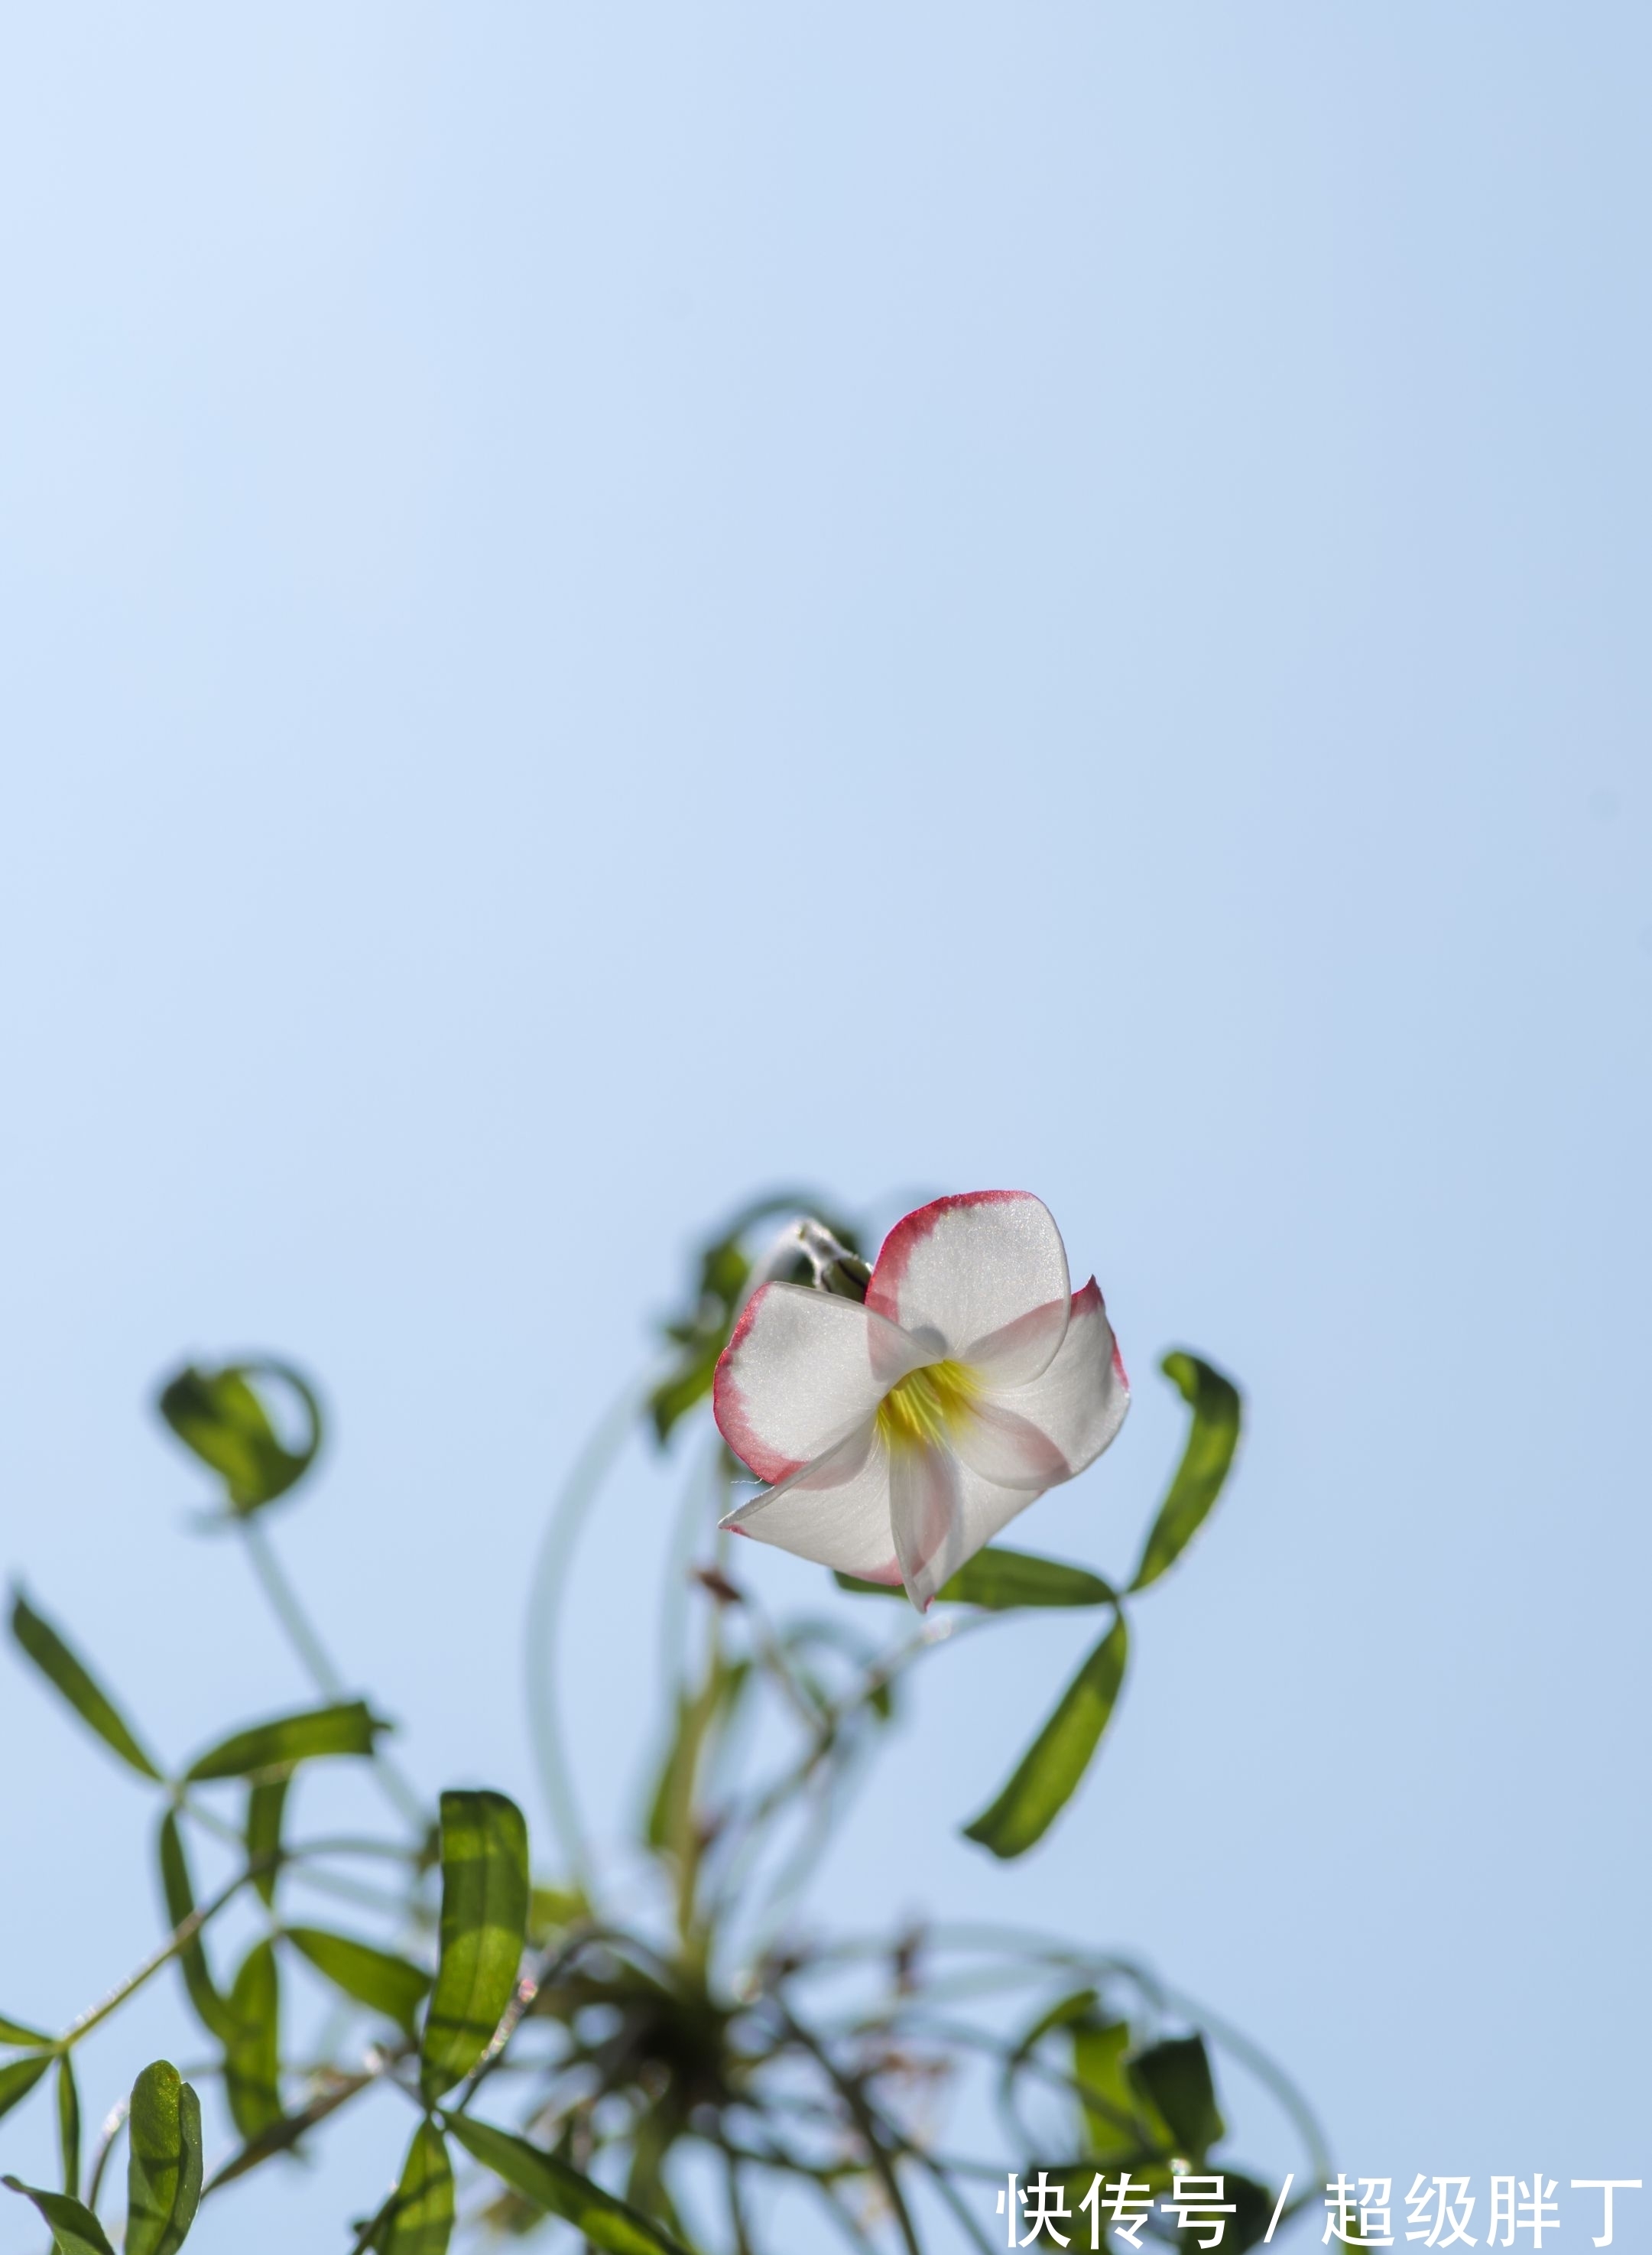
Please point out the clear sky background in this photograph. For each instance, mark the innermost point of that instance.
(605, 605)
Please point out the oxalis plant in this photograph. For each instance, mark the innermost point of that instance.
(669, 2055)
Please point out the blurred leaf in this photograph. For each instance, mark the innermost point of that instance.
(1175, 2078)
(552, 2185)
(1205, 1461)
(212, 2008)
(68, 2124)
(550, 1909)
(1112, 2118)
(219, 1415)
(76, 2230)
(266, 1804)
(87, 1697)
(688, 1384)
(1000, 1581)
(1253, 2212)
(163, 2168)
(13, 2032)
(671, 1808)
(19, 2077)
(484, 1925)
(421, 2221)
(1050, 1770)
(346, 1729)
(252, 2051)
(374, 1978)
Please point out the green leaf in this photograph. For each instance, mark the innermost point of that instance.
(671, 1809)
(374, 1978)
(164, 2170)
(252, 2051)
(1175, 2078)
(484, 1925)
(87, 1697)
(211, 2009)
(1112, 2123)
(1253, 2212)
(266, 1804)
(68, 2124)
(349, 1728)
(1000, 1581)
(19, 2077)
(549, 1911)
(13, 2032)
(76, 2230)
(551, 2184)
(1050, 1770)
(219, 1415)
(1205, 1465)
(421, 2221)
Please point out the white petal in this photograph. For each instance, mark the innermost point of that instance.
(804, 1369)
(926, 1519)
(943, 1512)
(1020, 1351)
(1079, 1402)
(1008, 1448)
(834, 1510)
(963, 1273)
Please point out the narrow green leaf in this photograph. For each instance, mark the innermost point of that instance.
(484, 1925)
(1212, 1439)
(421, 2221)
(551, 2184)
(19, 2077)
(164, 2170)
(252, 2051)
(70, 1677)
(671, 1809)
(68, 2124)
(1112, 2124)
(349, 1728)
(1175, 2077)
(13, 2032)
(1049, 1771)
(212, 2008)
(219, 1415)
(76, 2230)
(1001, 1581)
(374, 1978)
(266, 1804)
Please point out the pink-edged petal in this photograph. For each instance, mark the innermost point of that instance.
(1079, 1402)
(961, 1273)
(804, 1369)
(925, 1518)
(834, 1510)
(1008, 1448)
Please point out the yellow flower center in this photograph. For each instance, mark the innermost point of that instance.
(927, 1407)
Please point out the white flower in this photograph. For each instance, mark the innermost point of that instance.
(899, 1436)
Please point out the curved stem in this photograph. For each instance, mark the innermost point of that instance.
(284, 1603)
(317, 1662)
(590, 1467)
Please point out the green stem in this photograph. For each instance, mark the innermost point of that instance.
(180, 1938)
(318, 1661)
(579, 1490)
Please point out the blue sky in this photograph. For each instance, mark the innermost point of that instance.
(608, 607)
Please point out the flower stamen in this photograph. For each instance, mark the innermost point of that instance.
(926, 1406)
